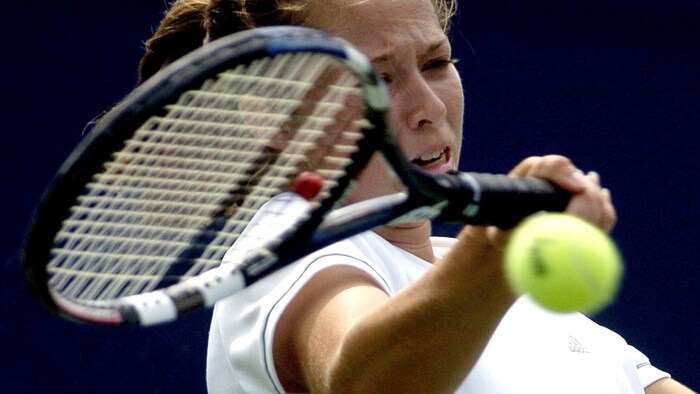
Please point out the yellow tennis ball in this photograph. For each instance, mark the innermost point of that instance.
(564, 263)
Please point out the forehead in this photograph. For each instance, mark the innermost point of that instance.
(375, 25)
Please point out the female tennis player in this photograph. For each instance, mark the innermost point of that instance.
(397, 310)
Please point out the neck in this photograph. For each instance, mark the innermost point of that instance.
(413, 238)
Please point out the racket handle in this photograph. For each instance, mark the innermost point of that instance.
(501, 200)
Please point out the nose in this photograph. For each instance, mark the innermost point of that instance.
(423, 104)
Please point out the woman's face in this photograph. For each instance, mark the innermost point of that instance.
(407, 46)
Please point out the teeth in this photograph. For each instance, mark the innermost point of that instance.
(431, 156)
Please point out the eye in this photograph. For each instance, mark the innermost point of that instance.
(440, 63)
(386, 78)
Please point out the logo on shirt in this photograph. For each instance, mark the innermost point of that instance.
(576, 347)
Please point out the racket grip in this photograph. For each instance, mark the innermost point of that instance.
(501, 200)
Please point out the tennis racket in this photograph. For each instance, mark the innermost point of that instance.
(134, 226)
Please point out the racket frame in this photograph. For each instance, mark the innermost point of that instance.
(482, 199)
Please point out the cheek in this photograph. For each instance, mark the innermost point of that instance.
(453, 97)
(455, 117)
(395, 108)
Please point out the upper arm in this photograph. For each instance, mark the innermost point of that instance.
(312, 326)
(667, 386)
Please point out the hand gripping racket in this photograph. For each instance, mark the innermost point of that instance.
(136, 222)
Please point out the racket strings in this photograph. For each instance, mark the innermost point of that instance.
(310, 124)
(181, 191)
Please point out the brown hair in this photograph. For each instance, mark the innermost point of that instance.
(229, 16)
(188, 23)
(181, 31)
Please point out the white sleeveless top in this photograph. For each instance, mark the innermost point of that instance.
(532, 350)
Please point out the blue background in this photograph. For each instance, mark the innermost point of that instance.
(612, 84)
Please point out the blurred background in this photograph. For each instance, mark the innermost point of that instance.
(612, 84)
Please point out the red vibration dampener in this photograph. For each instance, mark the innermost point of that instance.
(308, 184)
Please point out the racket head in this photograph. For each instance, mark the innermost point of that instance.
(109, 226)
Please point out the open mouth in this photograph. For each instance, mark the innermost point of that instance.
(432, 159)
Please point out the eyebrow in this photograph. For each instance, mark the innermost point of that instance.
(387, 56)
